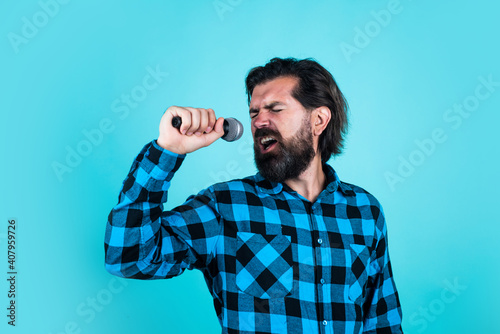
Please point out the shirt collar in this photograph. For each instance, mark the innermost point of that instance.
(333, 183)
(267, 186)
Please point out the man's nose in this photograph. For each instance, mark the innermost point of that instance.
(261, 120)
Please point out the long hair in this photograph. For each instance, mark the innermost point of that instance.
(316, 88)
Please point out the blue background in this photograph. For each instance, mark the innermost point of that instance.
(66, 66)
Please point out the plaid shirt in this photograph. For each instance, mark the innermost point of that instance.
(273, 261)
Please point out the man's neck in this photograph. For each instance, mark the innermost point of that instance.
(311, 182)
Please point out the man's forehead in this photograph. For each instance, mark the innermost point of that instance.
(278, 89)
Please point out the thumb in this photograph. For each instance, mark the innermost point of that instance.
(217, 132)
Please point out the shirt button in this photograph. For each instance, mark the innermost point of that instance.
(320, 241)
(325, 322)
(322, 281)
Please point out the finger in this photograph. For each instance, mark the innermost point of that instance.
(211, 120)
(195, 121)
(185, 116)
(174, 111)
(219, 126)
(203, 122)
(217, 133)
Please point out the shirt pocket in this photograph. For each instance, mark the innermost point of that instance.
(264, 265)
(360, 258)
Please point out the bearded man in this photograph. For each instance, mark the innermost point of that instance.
(291, 249)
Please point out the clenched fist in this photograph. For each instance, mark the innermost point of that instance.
(199, 128)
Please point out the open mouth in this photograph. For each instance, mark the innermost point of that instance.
(267, 143)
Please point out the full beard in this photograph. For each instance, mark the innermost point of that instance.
(290, 158)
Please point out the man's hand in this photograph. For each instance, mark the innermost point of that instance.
(199, 128)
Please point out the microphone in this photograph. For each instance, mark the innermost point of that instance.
(233, 129)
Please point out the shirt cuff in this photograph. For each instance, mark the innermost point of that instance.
(160, 163)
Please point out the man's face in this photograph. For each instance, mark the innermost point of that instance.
(281, 128)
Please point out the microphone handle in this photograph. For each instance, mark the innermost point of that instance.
(177, 122)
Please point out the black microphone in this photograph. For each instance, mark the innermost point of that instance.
(233, 129)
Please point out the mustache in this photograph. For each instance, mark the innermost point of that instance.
(267, 132)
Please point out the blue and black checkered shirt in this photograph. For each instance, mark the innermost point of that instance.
(273, 261)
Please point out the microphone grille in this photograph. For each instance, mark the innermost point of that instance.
(235, 129)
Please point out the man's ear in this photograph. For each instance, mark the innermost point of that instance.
(320, 118)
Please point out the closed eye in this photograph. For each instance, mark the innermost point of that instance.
(254, 112)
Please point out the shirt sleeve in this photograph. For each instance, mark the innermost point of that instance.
(144, 242)
(382, 308)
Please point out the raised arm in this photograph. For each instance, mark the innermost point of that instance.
(143, 241)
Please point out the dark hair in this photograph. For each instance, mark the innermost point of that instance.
(316, 88)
